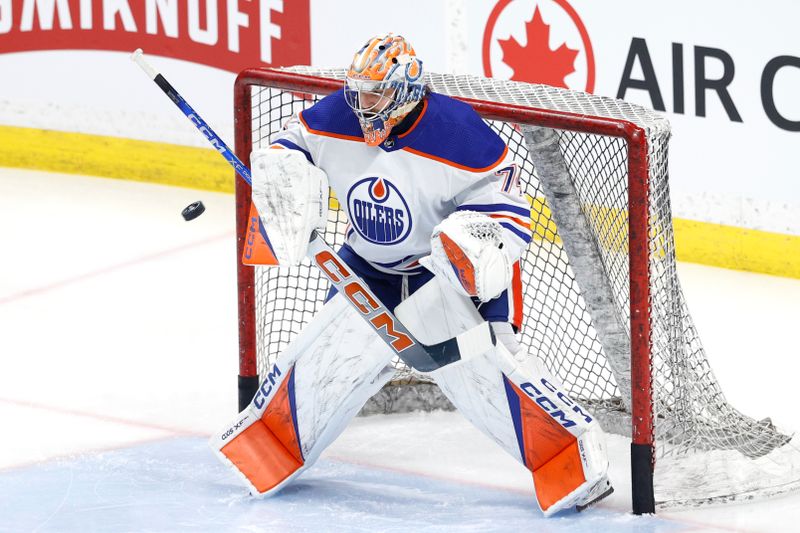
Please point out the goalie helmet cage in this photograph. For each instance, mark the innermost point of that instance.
(602, 303)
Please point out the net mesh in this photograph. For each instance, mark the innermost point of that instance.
(706, 449)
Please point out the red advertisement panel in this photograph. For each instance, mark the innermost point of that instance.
(227, 34)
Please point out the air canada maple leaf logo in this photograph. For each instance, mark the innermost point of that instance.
(536, 62)
(538, 41)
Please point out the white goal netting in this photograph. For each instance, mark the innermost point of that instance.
(576, 291)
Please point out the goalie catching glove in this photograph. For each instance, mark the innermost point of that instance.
(291, 196)
(467, 250)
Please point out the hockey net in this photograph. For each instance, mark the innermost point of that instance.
(595, 172)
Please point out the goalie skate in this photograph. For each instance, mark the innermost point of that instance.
(600, 491)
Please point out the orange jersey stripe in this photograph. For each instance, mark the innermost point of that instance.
(456, 165)
(328, 133)
(414, 125)
(516, 295)
(514, 219)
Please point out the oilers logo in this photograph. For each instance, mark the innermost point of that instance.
(378, 212)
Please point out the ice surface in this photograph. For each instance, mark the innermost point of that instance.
(118, 357)
(176, 484)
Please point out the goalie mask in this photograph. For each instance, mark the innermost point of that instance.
(383, 85)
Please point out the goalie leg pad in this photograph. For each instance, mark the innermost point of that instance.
(514, 400)
(559, 442)
(264, 446)
(313, 390)
(522, 408)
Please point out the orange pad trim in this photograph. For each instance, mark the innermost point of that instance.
(269, 451)
(461, 264)
(279, 418)
(550, 451)
(260, 456)
(257, 250)
(559, 476)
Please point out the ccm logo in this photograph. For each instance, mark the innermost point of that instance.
(251, 237)
(266, 387)
(550, 407)
(363, 300)
(204, 130)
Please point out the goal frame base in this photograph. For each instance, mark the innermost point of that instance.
(642, 456)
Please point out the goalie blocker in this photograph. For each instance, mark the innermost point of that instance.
(337, 362)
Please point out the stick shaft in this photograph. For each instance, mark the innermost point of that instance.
(193, 116)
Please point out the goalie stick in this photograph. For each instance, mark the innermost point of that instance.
(421, 357)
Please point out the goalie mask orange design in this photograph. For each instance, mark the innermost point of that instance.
(383, 85)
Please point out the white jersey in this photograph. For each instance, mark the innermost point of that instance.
(394, 194)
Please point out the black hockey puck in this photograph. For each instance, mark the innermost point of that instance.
(193, 210)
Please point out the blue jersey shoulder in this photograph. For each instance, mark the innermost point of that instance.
(332, 116)
(455, 133)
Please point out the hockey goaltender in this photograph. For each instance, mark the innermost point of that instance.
(437, 225)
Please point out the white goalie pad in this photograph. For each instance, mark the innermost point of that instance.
(514, 400)
(316, 386)
(467, 251)
(291, 196)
